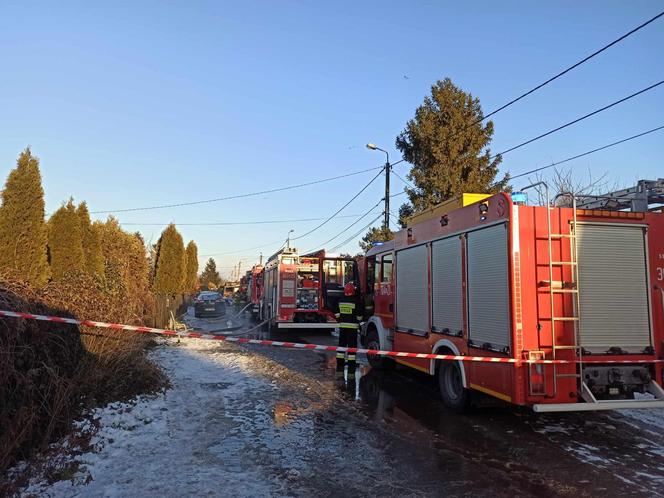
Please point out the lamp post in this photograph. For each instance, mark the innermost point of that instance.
(388, 168)
(288, 239)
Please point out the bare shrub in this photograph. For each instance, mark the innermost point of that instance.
(51, 372)
(39, 363)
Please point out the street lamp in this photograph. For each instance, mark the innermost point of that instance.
(388, 168)
(288, 239)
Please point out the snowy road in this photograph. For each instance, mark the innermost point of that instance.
(266, 421)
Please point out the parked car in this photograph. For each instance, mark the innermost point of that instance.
(210, 304)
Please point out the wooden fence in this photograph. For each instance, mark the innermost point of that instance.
(167, 303)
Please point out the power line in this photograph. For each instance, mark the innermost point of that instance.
(587, 153)
(578, 119)
(341, 208)
(349, 226)
(408, 184)
(586, 59)
(238, 196)
(269, 244)
(233, 223)
(351, 238)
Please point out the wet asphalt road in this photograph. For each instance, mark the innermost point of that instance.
(389, 434)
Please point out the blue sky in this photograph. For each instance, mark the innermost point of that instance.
(132, 104)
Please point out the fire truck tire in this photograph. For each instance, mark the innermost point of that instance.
(455, 396)
(373, 342)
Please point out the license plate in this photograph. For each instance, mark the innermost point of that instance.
(209, 309)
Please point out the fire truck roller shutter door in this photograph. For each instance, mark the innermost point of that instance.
(412, 283)
(447, 295)
(488, 287)
(613, 288)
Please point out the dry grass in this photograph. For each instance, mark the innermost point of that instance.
(50, 373)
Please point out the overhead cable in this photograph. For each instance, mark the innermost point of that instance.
(340, 209)
(356, 234)
(573, 66)
(613, 144)
(349, 226)
(232, 223)
(238, 196)
(578, 119)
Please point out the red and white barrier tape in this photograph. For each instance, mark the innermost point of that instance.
(297, 345)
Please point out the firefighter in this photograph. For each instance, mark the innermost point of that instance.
(349, 317)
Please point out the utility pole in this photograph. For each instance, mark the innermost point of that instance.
(388, 169)
(386, 222)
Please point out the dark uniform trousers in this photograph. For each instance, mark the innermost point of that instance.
(349, 325)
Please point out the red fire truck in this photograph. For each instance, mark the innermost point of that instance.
(500, 279)
(255, 288)
(303, 291)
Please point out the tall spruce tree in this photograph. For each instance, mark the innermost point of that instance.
(93, 256)
(448, 145)
(65, 242)
(191, 273)
(23, 231)
(210, 275)
(169, 263)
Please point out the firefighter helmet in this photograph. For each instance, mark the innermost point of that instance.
(349, 289)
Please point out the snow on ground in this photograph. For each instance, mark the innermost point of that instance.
(237, 423)
(157, 445)
(653, 418)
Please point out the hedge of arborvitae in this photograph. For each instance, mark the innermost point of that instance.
(191, 267)
(23, 232)
(70, 266)
(69, 243)
(170, 262)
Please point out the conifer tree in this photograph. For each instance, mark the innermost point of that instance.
(169, 263)
(191, 273)
(210, 274)
(93, 257)
(447, 142)
(23, 231)
(126, 267)
(382, 234)
(65, 242)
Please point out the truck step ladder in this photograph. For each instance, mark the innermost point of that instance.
(557, 287)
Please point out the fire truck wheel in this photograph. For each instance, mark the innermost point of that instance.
(373, 342)
(454, 395)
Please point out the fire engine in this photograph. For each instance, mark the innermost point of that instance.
(255, 289)
(303, 291)
(582, 280)
(230, 288)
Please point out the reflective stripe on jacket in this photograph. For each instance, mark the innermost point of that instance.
(349, 316)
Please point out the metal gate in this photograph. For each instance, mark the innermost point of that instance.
(613, 287)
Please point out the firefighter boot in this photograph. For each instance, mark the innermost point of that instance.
(340, 365)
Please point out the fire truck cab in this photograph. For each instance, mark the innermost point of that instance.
(502, 280)
(303, 291)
